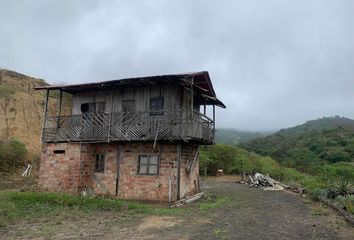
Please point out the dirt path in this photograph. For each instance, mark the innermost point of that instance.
(245, 214)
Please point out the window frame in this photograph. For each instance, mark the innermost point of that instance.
(148, 156)
(154, 111)
(102, 169)
(93, 107)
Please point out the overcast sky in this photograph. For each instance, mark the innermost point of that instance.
(274, 64)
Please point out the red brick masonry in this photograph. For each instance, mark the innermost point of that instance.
(72, 171)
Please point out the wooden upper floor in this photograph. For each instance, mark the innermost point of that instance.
(168, 107)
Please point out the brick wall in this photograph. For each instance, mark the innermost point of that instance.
(74, 170)
(189, 182)
(60, 172)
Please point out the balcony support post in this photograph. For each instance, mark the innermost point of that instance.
(118, 159)
(110, 116)
(178, 171)
(213, 121)
(192, 106)
(45, 112)
(59, 107)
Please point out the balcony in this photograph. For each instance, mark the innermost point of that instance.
(183, 125)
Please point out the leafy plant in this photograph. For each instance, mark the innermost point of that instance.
(347, 202)
(12, 154)
(343, 187)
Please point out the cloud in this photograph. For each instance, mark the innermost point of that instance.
(274, 63)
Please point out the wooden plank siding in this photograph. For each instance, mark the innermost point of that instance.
(177, 122)
(141, 95)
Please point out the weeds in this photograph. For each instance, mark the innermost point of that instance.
(30, 205)
(215, 203)
(347, 202)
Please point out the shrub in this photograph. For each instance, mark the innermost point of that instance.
(347, 202)
(343, 187)
(12, 154)
(319, 193)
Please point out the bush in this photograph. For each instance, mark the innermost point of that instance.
(12, 154)
(237, 160)
(347, 202)
(319, 193)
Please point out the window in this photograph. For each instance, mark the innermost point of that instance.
(148, 164)
(156, 104)
(93, 107)
(99, 163)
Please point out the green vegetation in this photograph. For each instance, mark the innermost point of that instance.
(347, 202)
(330, 179)
(6, 91)
(235, 137)
(29, 205)
(307, 146)
(213, 203)
(12, 154)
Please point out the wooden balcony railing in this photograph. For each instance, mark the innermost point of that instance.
(130, 126)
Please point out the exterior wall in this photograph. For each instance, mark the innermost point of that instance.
(60, 172)
(154, 187)
(141, 95)
(189, 182)
(73, 171)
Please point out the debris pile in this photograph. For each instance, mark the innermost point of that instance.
(187, 200)
(268, 183)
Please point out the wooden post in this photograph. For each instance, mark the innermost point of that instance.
(169, 190)
(192, 106)
(192, 97)
(214, 113)
(204, 110)
(110, 117)
(45, 113)
(118, 167)
(214, 122)
(178, 171)
(59, 108)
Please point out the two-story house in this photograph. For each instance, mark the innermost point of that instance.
(136, 138)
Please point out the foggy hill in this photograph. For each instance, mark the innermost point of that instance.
(328, 139)
(235, 137)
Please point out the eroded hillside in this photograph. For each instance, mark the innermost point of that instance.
(21, 108)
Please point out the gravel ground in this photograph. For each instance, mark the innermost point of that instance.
(249, 213)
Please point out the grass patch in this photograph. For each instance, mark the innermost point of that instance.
(6, 91)
(32, 205)
(214, 203)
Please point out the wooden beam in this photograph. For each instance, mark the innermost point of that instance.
(110, 116)
(192, 99)
(214, 122)
(118, 168)
(178, 171)
(59, 107)
(45, 112)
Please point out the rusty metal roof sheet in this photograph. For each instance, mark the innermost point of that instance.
(201, 80)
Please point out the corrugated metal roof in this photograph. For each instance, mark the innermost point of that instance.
(201, 80)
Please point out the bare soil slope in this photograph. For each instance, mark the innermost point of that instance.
(21, 108)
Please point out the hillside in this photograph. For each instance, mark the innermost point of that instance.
(325, 140)
(21, 108)
(234, 137)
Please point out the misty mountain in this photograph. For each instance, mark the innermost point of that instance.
(235, 137)
(325, 140)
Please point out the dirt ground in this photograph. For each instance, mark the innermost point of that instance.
(248, 214)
